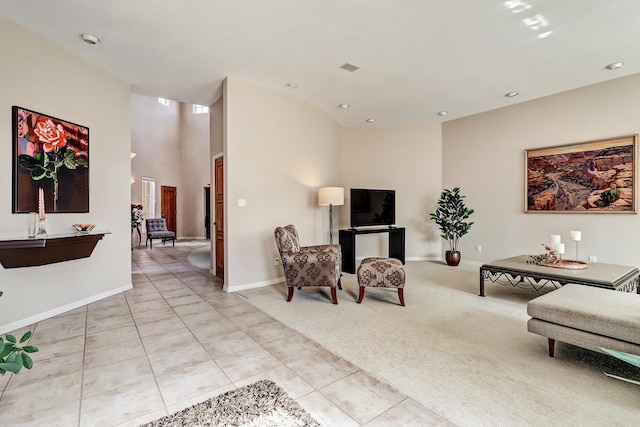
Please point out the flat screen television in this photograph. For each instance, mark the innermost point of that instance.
(372, 207)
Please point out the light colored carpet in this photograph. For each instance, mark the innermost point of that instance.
(468, 358)
(261, 404)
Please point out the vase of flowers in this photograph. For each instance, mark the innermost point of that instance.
(136, 221)
(136, 216)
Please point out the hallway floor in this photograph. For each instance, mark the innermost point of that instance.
(177, 339)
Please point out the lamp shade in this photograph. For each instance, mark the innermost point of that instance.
(331, 196)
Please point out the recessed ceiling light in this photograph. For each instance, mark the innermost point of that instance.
(511, 94)
(88, 38)
(370, 120)
(443, 113)
(292, 85)
(344, 106)
(615, 65)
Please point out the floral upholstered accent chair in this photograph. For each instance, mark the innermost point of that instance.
(308, 265)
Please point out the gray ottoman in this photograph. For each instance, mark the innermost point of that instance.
(588, 317)
(382, 273)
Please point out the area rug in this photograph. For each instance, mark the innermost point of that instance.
(261, 404)
(201, 257)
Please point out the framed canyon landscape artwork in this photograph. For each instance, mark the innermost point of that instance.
(53, 155)
(589, 177)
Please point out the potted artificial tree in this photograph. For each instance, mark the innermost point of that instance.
(451, 216)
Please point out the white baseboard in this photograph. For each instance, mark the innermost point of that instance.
(254, 285)
(59, 310)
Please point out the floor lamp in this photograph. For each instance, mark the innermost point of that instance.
(331, 196)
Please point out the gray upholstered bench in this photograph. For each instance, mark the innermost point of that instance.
(588, 317)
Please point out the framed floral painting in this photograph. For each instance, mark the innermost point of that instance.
(51, 154)
(587, 177)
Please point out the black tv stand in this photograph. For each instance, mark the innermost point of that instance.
(348, 245)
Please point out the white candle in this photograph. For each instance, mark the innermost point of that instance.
(41, 203)
(555, 240)
(576, 236)
(559, 248)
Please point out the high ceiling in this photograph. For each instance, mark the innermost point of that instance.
(416, 57)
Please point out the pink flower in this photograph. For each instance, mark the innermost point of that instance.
(51, 135)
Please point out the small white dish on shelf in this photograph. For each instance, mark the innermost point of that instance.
(84, 228)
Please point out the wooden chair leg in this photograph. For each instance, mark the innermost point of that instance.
(552, 347)
(334, 295)
(340, 283)
(290, 293)
(401, 296)
(360, 294)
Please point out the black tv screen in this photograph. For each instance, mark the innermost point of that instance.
(372, 207)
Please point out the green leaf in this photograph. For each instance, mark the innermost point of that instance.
(11, 367)
(13, 357)
(623, 379)
(30, 349)
(25, 337)
(27, 162)
(8, 349)
(28, 362)
(11, 338)
(69, 163)
(625, 357)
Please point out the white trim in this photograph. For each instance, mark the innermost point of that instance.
(59, 310)
(254, 285)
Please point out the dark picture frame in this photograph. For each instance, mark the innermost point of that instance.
(52, 154)
(587, 177)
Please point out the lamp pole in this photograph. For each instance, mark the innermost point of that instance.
(331, 224)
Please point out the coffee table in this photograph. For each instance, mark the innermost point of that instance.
(517, 272)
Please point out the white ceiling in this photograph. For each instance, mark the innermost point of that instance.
(416, 57)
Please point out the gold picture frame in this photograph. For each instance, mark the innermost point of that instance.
(587, 177)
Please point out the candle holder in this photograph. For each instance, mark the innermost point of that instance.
(576, 236)
(42, 229)
(33, 224)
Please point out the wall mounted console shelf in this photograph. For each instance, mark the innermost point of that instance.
(31, 252)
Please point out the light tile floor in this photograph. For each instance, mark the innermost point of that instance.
(177, 339)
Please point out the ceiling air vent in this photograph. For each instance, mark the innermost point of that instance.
(349, 67)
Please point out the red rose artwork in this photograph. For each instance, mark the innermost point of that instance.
(51, 154)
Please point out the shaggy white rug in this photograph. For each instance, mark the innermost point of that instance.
(469, 359)
(261, 404)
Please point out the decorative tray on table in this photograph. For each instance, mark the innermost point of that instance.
(567, 264)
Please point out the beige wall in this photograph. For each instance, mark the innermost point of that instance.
(406, 159)
(155, 138)
(69, 88)
(195, 163)
(484, 155)
(278, 152)
(172, 146)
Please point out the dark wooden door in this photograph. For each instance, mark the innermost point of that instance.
(219, 215)
(168, 206)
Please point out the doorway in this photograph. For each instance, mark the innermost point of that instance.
(218, 193)
(207, 211)
(168, 207)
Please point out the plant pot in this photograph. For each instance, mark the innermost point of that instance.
(452, 258)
